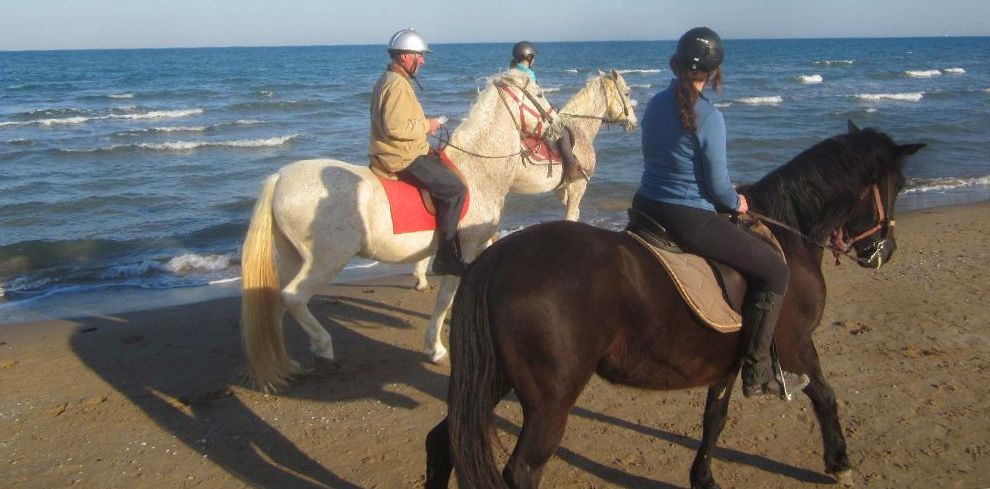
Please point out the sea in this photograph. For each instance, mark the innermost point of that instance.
(127, 177)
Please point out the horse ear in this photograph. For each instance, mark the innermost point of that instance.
(615, 75)
(853, 128)
(601, 73)
(909, 149)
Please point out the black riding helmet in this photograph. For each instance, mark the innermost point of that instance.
(523, 50)
(700, 49)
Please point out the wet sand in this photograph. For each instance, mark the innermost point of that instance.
(152, 398)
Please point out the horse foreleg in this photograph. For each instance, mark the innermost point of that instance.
(716, 410)
(445, 297)
(419, 271)
(439, 465)
(826, 409)
(573, 193)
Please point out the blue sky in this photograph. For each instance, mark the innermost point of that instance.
(84, 24)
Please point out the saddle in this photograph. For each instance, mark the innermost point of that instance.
(412, 207)
(714, 291)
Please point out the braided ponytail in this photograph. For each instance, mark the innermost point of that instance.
(688, 95)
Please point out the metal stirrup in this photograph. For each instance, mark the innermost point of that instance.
(785, 394)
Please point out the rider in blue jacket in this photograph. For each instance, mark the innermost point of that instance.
(686, 180)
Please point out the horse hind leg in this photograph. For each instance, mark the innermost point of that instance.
(419, 272)
(313, 273)
(542, 431)
(716, 411)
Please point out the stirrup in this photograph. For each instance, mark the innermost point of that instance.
(784, 385)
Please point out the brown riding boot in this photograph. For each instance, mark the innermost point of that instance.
(760, 314)
(448, 260)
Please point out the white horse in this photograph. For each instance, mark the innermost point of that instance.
(581, 113)
(313, 216)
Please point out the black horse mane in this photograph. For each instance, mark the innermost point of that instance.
(818, 189)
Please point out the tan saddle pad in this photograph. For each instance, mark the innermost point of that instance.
(701, 289)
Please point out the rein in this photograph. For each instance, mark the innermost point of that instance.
(837, 245)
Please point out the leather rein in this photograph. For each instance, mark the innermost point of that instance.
(839, 244)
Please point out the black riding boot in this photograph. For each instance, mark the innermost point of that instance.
(448, 260)
(760, 316)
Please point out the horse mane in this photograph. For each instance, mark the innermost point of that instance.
(819, 188)
(480, 119)
(581, 98)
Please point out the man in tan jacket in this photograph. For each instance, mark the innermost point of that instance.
(399, 147)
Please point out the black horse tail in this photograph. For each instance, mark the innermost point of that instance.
(476, 381)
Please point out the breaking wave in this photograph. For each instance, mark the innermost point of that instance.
(901, 97)
(770, 100)
(922, 73)
(810, 79)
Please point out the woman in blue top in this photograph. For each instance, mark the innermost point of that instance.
(686, 179)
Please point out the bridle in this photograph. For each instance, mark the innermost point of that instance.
(839, 244)
(883, 224)
(610, 96)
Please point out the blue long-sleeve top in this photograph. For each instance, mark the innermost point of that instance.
(675, 169)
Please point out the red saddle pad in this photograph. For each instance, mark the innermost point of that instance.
(409, 212)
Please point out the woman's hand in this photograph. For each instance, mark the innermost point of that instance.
(743, 204)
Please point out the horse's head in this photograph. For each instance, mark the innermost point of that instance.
(618, 106)
(869, 229)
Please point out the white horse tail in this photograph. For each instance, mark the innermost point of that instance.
(269, 365)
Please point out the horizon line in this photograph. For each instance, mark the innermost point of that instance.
(248, 46)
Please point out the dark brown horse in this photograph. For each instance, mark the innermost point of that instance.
(545, 308)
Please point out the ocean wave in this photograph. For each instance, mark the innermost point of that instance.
(834, 62)
(943, 184)
(767, 100)
(239, 143)
(955, 71)
(640, 70)
(551, 89)
(722, 105)
(121, 95)
(155, 114)
(641, 85)
(571, 70)
(922, 73)
(901, 97)
(809, 79)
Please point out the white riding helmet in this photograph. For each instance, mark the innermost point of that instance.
(407, 41)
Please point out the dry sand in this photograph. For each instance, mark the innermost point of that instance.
(151, 399)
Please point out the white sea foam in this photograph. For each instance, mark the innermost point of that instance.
(63, 120)
(240, 143)
(121, 95)
(248, 121)
(722, 105)
(955, 71)
(179, 129)
(193, 262)
(571, 70)
(640, 70)
(810, 79)
(770, 100)
(986, 90)
(641, 85)
(10, 123)
(158, 114)
(922, 73)
(871, 110)
(551, 89)
(831, 62)
(901, 97)
(943, 184)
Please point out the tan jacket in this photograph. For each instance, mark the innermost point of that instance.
(398, 125)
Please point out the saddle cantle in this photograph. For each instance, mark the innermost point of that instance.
(713, 291)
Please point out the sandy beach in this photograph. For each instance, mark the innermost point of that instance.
(152, 398)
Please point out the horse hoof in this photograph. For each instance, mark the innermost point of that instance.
(324, 367)
(844, 477)
(423, 286)
(438, 355)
